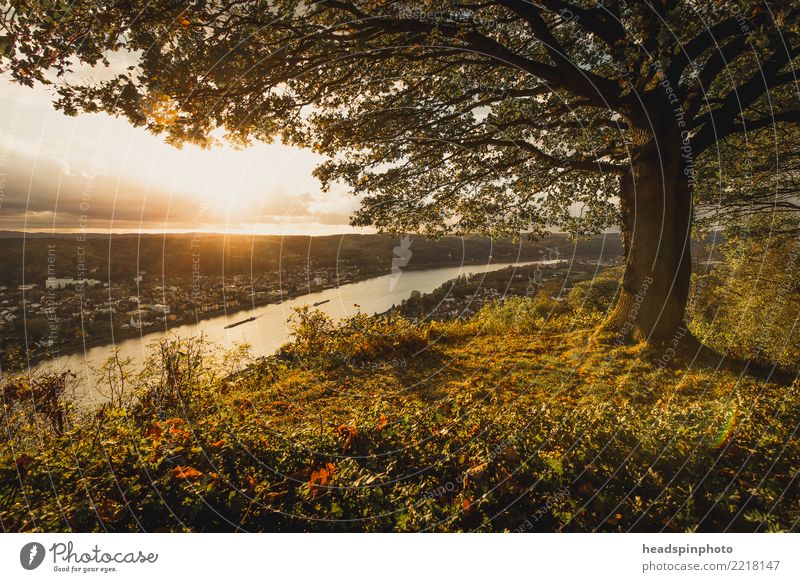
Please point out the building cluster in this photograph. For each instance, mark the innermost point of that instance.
(66, 311)
(69, 282)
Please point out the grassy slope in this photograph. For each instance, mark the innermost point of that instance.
(492, 427)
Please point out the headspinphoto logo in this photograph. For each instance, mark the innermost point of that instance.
(31, 555)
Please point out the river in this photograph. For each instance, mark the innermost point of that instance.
(270, 330)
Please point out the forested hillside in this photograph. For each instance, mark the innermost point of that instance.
(120, 257)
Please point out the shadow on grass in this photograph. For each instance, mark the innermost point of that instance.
(692, 353)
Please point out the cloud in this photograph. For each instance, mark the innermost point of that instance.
(98, 172)
(44, 192)
(331, 210)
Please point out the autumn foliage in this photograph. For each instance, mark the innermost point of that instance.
(511, 421)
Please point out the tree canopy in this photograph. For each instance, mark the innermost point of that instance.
(445, 116)
(495, 117)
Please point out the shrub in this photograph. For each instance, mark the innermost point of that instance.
(499, 432)
(518, 314)
(43, 396)
(747, 305)
(592, 300)
(360, 340)
(510, 447)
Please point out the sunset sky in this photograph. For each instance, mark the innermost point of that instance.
(56, 169)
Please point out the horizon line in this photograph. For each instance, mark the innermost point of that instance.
(150, 232)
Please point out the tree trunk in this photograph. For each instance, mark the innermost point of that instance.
(656, 224)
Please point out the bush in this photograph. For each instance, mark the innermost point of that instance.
(747, 305)
(518, 314)
(596, 295)
(362, 340)
(511, 447)
(44, 399)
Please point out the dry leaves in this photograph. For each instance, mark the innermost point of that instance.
(320, 478)
(346, 435)
(188, 473)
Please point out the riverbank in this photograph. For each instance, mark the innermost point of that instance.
(124, 335)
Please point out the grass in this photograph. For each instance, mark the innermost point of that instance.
(501, 423)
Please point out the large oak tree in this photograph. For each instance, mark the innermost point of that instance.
(493, 117)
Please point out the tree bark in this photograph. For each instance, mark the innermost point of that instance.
(656, 226)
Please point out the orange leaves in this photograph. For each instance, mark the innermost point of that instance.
(243, 405)
(183, 23)
(178, 432)
(568, 400)
(167, 435)
(217, 444)
(153, 431)
(188, 473)
(252, 482)
(175, 429)
(382, 422)
(346, 434)
(320, 478)
(323, 475)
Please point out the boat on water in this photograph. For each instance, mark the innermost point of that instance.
(240, 322)
(321, 302)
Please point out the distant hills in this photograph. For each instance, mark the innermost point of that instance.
(117, 257)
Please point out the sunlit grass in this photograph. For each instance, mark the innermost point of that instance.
(510, 421)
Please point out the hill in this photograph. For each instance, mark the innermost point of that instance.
(120, 257)
(498, 423)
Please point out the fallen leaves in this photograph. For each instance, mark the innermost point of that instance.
(346, 434)
(153, 431)
(175, 427)
(320, 478)
(187, 473)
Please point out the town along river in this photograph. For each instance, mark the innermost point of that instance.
(269, 330)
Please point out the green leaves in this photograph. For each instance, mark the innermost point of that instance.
(498, 119)
(460, 447)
